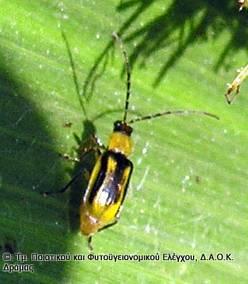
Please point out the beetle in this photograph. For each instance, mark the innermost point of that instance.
(107, 187)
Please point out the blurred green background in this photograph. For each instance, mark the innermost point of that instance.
(188, 193)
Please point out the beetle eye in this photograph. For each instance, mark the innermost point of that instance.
(117, 125)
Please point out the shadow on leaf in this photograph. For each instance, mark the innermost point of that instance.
(179, 26)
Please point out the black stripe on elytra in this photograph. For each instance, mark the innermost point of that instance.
(113, 189)
(122, 164)
(100, 177)
(127, 184)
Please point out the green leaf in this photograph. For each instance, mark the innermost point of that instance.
(188, 193)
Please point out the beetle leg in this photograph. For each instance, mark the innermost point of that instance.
(98, 142)
(78, 174)
(89, 240)
(92, 144)
(109, 225)
(67, 157)
(62, 190)
(89, 243)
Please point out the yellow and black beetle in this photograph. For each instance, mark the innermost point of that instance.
(108, 183)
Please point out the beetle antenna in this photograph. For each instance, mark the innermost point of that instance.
(74, 74)
(175, 112)
(128, 70)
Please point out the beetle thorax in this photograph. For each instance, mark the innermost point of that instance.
(120, 143)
